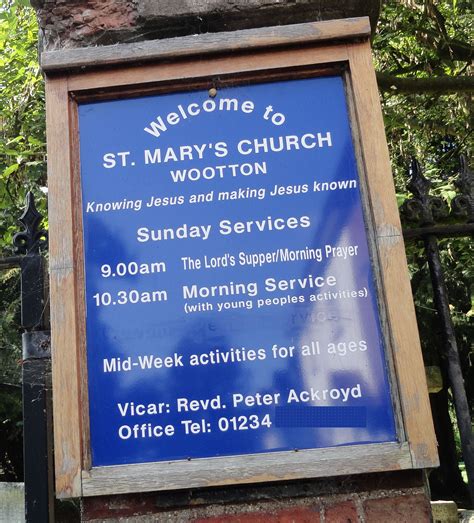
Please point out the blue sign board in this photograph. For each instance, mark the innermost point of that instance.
(230, 298)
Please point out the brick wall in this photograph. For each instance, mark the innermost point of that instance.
(373, 498)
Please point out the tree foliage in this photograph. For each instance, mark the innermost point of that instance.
(422, 41)
(22, 119)
(22, 167)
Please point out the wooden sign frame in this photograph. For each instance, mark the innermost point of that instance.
(287, 52)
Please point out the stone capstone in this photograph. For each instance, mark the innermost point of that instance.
(86, 23)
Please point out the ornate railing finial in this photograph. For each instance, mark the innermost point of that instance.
(423, 208)
(31, 239)
(463, 204)
(417, 183)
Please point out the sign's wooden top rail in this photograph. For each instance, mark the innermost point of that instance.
(205, 44)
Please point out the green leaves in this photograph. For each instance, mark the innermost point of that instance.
(9, 170)
(22, 117)
(426, 40)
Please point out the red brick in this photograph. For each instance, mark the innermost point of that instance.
(345, 512)
(291, 515)
(402, 509)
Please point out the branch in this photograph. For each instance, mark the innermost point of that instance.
(440, 84)
(10, 387)
(450, 49)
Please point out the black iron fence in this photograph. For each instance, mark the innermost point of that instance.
(427, 220)
(435, 218)
(30, 245)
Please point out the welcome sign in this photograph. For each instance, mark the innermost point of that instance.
(230, 298)
(233, 320)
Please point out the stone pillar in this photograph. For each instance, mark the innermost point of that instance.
(373, 498)
(12, 502)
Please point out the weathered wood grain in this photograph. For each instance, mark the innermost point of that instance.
(365, 178)
(205, 44)
(64, 325)
(80, 303)
(255, 468)
(392, 269)
(215, 67)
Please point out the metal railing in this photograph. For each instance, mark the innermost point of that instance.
(426, 211)
(30, 245)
